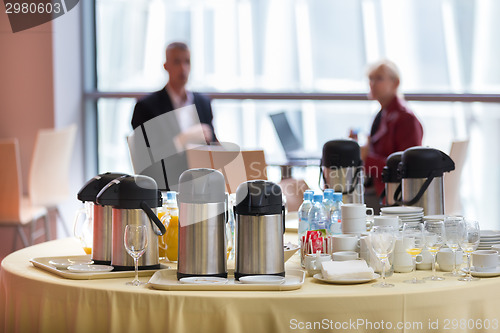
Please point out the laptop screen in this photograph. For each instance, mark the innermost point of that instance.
(287, 138)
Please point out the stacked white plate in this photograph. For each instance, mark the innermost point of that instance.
(405, 213)
(488, 238)
(434, 218)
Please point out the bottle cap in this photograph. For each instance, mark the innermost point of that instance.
(318, 198)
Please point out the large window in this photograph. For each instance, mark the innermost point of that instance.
(310, 46)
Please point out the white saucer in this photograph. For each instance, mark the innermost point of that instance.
(64, 263)
(473, 272)
(203, 280)
(401, 210)
(319, 277)
(262, 279)
(490, 233)
(84, 268)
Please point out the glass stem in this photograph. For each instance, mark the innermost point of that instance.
(469, 275)
(414, 267)
(383, 271)
(136, 265)
(454, 251)
(433, 264)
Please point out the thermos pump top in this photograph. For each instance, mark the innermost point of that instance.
(342, 169)
(421, 170)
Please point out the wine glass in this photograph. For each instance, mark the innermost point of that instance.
(469, 243)
(382, 240)
(413, 241)
(453, 228)
(135, 240)
(434, 237)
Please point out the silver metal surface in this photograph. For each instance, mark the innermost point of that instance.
(433, 199)
(259, 244)
(342, 180)
(390, 188)
(119, 255)
(102, 237)
(202, 243)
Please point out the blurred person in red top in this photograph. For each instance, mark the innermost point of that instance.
(395, 127)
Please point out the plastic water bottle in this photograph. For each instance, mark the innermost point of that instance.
(328, 201)
(336, 214)
(318, 218)
(303, 214)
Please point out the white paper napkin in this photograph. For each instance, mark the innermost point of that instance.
(344, 270)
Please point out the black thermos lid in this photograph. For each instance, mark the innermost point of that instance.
(91, 188)
(129, 192)
(258, 197)
(390, 172)
(422, 162)
(341, 154)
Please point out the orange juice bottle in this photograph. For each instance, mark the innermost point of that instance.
(171, 237)
(164, 218)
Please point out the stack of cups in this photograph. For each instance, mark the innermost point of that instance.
(354, 218)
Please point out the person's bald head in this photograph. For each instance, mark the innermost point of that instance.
(177, 63)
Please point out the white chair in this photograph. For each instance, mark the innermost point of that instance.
(50, 169)
(458, 153)
(16, 211)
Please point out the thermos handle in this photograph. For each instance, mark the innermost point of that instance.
(153, 218)
(283, 213)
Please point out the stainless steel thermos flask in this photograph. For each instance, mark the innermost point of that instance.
(202, 222)
(133, 200)
(100, 215)
(259, 229)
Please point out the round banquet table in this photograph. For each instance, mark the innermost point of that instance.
(34, 300)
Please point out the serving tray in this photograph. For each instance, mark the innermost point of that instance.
(43, 263)
(167, 280)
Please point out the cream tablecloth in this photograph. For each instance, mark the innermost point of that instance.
(34, 300)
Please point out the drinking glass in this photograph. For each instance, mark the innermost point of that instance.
(434, 238)
(413, 240)
(469, 243)
(453, 228)
(382, 240)
(83, 228)
(135, 240)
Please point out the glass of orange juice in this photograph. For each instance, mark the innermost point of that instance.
(83, 228)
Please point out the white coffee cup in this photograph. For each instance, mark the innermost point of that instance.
(354, 218)
(351, 211)
(344, 255)
(485, 260)
(386, 220)
(313, 262)
(497, 248)
(445, 259)
(344, 243)
(424, 260)
(403, 262)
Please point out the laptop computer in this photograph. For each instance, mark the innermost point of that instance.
(289, 141)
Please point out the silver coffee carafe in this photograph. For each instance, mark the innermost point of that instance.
(422, 170)
(392, 179)
(100, 216)
(342, 170)
(259, 229)
(133, 200)
(202, 224)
